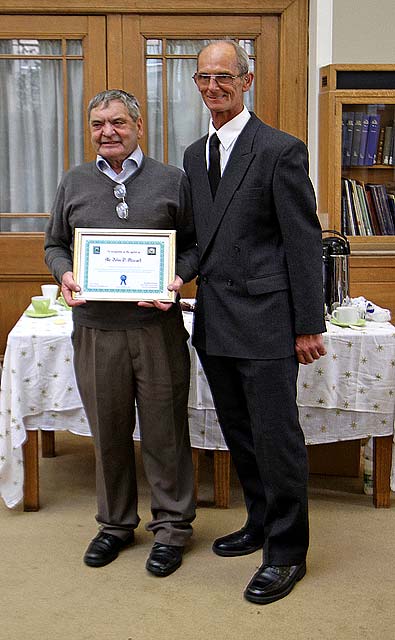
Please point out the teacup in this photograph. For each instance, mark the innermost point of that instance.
(41, 304)
(50, 291)
(346, 315)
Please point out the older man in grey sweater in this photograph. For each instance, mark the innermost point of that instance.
(128, 353)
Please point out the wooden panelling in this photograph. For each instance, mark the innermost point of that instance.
(22, 273)
(374, 278)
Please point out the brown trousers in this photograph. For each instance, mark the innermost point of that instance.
(149, 367)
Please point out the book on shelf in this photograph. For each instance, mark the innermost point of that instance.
(350, 222)
(356, 138)
(364, 209)
(391, 204)
(372, 213)
(364, 138)
(356, 204)
(379, 199)
(367, 209)
(347, 130)
(373, 138)
(387, 146)
(380, 146)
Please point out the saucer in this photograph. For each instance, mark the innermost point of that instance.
(359, 323)
(33, 314)
(62, 302)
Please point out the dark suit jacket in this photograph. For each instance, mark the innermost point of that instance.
(260, 247)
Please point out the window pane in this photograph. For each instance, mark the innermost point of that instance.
(74, 48)
(249, 95)
(29, 47)
(23, 224)
(155, 109)
(188, 118)
(75, 112)
(154, 47)
(248, 45)
(185, 47)
(32, 128)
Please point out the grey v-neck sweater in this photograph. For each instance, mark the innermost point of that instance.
(158, 198)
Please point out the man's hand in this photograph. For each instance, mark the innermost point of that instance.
(309, 348)
(67, 287)
(164, 306)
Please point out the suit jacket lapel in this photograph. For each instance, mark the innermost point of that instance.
(235, 170)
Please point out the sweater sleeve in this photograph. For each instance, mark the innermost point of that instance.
(58, 238)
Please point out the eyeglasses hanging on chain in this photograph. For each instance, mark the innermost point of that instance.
(122, 208)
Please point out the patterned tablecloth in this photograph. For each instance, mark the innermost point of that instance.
(348, 394)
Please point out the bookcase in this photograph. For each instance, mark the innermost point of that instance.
(356, 186)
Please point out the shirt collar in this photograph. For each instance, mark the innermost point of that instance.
(136, 157)
(232, 129)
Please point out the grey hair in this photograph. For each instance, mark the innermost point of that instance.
(243, 61)
(105, 97)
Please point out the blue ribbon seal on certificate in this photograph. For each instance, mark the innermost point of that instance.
(123, 280)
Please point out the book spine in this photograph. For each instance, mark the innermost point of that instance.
(364, 210)
(364, 139)
(372, 212)
(347, 139)
(387, 144)
(386, 213)
(377, 205)
(357, 209)
(380, 146)
(373, 136)
(356, 139)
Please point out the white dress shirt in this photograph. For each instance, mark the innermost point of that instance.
(227, 135)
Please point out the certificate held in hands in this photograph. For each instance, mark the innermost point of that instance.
(122, 265)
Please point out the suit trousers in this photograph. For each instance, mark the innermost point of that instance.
(256, 406)
(148, 367)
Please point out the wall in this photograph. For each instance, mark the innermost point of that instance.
(363, 31)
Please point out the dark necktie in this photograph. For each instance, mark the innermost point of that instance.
(214, 168)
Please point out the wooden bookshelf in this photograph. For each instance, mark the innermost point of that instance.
(366, 89)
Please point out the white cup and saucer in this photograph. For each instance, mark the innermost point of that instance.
(346, 316)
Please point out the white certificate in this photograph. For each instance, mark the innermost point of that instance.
(133, 264)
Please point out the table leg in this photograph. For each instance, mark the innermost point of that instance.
(221, 479)
(48, 444)
(382, 456)
(31, 501)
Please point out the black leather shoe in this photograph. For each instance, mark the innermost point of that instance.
(164, 559)
(239, 543)
(272, 583)
(104, 548)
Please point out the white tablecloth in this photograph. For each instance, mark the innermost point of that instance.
(348, 394)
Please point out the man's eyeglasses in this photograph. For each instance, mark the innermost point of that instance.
(122, 208)
(222, 79)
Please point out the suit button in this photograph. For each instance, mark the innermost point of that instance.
(205, 279)
(230, 283)
(237, 248)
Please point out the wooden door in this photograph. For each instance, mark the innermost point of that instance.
(22, 267)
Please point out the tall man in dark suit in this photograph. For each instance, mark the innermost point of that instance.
(259, 311)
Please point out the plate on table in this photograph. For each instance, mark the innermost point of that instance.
(32, 314)
(359, 323)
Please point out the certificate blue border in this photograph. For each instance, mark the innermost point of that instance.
(154, 242)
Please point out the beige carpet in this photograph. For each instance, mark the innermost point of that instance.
(47, 593)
